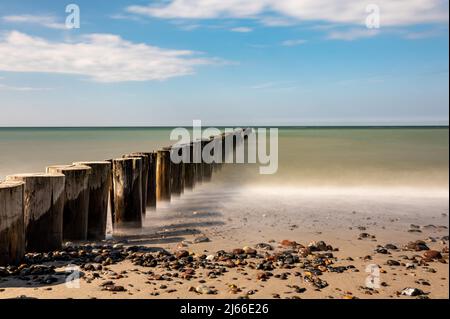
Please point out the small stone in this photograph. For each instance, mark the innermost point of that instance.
(249, 251)
(264, 246)
(417, 245)
(205, 290)
(304, 252)
(238, 251)
(261, 275)
(381, 250)
(412, 292)
(392, 262)
(410, 266)
(288, 243)
(181, 254)
(432, 254)
(390, 246)
(201, 239)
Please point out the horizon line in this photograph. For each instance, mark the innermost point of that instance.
(237, 126)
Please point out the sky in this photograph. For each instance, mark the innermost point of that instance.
(224, 62)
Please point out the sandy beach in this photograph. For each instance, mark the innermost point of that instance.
(233, 243)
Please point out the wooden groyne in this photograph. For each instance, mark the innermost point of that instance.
(71, 202)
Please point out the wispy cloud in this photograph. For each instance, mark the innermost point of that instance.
(100, 57)
(423, 34)
(279, 85)
(44, 21)
(352, 34)
(241, 29)
(394, 13)
(293, 43)
(22, 88)
(129, 17)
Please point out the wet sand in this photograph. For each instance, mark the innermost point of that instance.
(245, 216)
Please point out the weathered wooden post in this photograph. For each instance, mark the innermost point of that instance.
(12, 231)
(145, 173)
(163, 175)
(76, 199)
(225, 147)
(177, 172)
(197, 160)
(206, 167)
(151, 194)
(43, 210)
(182, 174)
(127, 189)
(235, 140)
(247, 132)
(99, 188)
(189, 168)
(217, 141)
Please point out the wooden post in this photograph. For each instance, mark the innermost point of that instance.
(215, 164)
(163, 175)
(247, 132)
(127, 188)
(225, 150)
(43, 210)
(99, 188)
(197, 151)
(189, 169)
(151, 189)
(145, 173)
(12, 232)
(206, 167)
(177, 173)
(76, 199)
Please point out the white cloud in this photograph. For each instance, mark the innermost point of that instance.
(45, 21)
(242, 29)
(100, 57)
(293, 43)
(352, 34)
(393, 13)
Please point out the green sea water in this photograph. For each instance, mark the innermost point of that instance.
(308, 157)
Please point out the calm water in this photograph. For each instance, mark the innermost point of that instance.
(308, 157)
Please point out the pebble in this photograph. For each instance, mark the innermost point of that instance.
(417, 245)
(431, 255)
(205, 290)
(201, 239)
(412, 292)
(264, 246)
(392, 262)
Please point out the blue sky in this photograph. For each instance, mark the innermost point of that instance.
(235, 62)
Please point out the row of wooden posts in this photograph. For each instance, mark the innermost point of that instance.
(71, 202)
